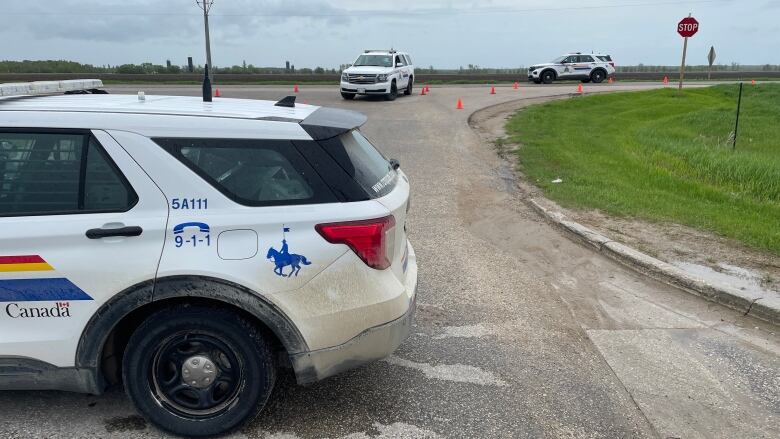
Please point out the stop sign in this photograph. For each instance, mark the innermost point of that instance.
(687, 27)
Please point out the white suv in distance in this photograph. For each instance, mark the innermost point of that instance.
(378, 72)
(188, 249)
(584, 67)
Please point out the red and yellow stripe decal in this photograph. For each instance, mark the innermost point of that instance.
(23, 263)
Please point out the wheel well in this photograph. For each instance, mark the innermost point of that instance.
(113, 349)
(599, 69)
(555, 74)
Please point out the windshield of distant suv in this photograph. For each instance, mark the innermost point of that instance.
(374, 60)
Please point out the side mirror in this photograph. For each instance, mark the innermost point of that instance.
(395, 164)
(400, 64)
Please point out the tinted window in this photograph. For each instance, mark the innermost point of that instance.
(398, 60)
(605, 58)
(48, 173)
(358, 157)
(408, 59)
(586, 58)
(572, 58)
(104, 189)
(252, 172)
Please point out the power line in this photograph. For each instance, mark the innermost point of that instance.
(375, 13)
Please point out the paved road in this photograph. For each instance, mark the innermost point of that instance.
(520, 332)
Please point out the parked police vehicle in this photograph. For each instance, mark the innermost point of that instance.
(584, 67)
(189, 249)
(378, 72)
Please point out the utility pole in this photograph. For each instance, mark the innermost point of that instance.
(206, 6)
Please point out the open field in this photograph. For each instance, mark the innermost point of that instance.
(661, 156)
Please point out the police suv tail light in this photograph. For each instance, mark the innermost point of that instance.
(372, 240)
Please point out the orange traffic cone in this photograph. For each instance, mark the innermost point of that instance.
(422, 91)
(427, 89)
(666, 80)
(493, 90)
(516, 86)
(459, 106)
(217, 93)
(753, 82)
(579, 88)
(610, 81)
(295, 88)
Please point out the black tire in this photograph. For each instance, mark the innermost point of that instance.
(236, 359)
(548, 76)
(409, 86)
(598, 76)
(348, 96)
(393, 92)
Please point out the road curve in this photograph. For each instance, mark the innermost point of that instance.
(520, 331)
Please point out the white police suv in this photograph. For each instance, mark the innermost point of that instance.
(378, 72)
(189, 249)
(584, 67)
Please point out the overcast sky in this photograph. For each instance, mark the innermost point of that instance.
(442, 33)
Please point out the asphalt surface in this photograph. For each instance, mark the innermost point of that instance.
(520, 331)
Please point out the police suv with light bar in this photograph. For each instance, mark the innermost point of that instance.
(378, 72)
(189, 249)
(594, 67)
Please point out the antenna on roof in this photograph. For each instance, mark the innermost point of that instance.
(287, 101)
(206, 85)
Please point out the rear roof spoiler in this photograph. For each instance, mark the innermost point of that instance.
(325, 123)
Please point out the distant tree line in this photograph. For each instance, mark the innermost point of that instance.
(62, 66)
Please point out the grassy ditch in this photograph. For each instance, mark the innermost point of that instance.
(662, 156)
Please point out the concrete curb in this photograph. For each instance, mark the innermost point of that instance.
(764, 308)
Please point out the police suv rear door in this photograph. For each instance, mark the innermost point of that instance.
(80, 221)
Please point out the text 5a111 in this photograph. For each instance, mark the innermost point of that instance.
(194, 240)
(189, 204)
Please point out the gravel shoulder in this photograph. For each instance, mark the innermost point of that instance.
(713, 259)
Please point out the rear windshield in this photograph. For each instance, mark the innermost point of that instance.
(252, 172)
(606, 58)
(367, 166)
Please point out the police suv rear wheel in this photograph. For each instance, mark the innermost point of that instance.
(409, 87)
(597, 76)
(198, 371)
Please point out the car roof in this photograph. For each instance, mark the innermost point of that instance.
(157, 104)
(183, 116)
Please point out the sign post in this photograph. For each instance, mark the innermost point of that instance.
(687, 27)
(711, 60)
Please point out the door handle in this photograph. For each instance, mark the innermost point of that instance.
(108, 233)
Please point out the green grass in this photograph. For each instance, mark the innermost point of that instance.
(662, 156)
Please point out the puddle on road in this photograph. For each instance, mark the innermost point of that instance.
(730, 275)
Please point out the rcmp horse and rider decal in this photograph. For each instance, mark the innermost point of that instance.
(283, 258)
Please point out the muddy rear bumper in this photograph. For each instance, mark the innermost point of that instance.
(370, 345)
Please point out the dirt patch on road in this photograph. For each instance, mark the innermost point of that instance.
(706, 254)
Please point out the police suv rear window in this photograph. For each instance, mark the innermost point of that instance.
(358, 157)
(605, 58)
(251, 172)
(53, 173)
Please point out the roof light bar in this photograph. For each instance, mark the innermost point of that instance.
(48, 87)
